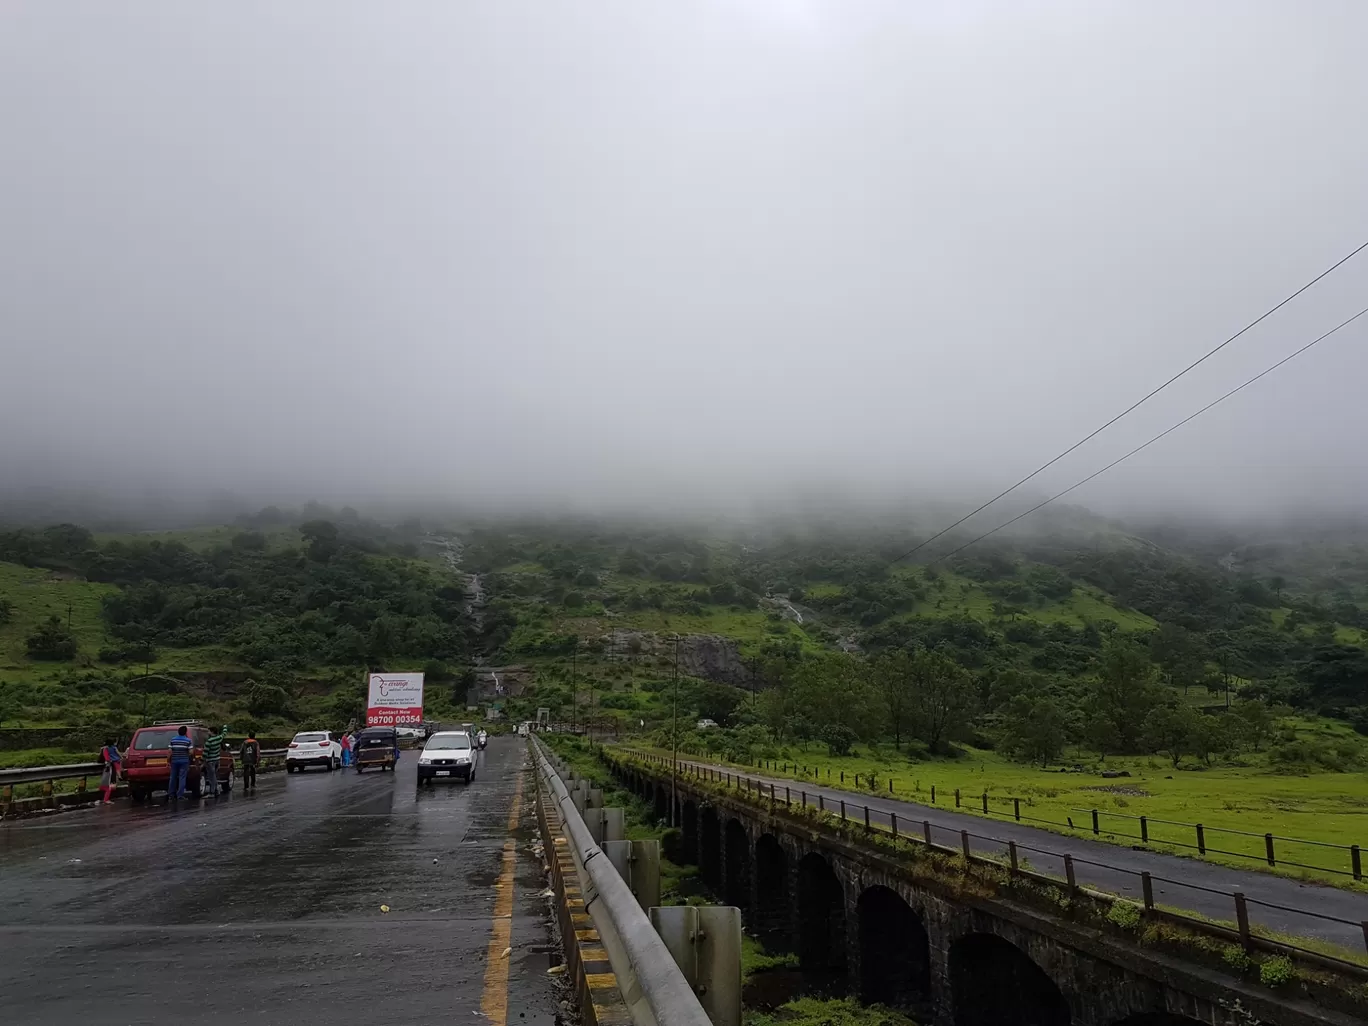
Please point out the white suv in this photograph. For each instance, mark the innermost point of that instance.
(313, 748)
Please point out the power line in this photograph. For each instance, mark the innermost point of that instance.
(1088, 438)
(1162, 434)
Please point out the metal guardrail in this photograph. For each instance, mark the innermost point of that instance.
(652, 984)
(70, 771)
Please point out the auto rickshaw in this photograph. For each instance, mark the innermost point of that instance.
(376, 746)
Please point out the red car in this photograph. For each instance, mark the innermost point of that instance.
(147, 762)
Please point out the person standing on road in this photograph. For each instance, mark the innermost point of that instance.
(109, 772)
(213, 747)
(249, 754)
(346, 750)
(181, 746)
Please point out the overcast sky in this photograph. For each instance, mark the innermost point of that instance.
(681, 251)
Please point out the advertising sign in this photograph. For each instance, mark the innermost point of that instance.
(396, 700)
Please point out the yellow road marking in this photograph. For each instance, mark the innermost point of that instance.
(494, 1000)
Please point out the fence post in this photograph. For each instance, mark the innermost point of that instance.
(1147, 888)
(803, 797)
(866, 819)
(1012, 854)
(1242, 920)
(933, 794)
(890, 785)
(842, 776)
(1069, 872)
(843, 810)
(957, 798)
(788, 797)
(1096, 830)
(926, 831)
(1356, 861)
(857, 781)
(985, 803)
(893, 818)
(1016, 808)
(821, 802)
(964, 842)
(1268, 847)
(1365, 933)
(1144, 830)
(1201, 840)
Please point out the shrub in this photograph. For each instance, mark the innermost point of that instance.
(1237, 957)
(1124, 915)
(1275, 971)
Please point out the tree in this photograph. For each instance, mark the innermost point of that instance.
(52, 641)
(1174, 729)
(833, 689)
(1122, 695)
(6, 611)
(839, 738)
(893, 675)
(1277, 584)
(942, 697)
(322, 538)
(1036, 729)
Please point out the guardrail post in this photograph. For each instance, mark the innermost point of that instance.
(1096, 829)
(985, 803)
(1069, 872)
(1242, 920)
(1012, 854)
(926, 831)
(964, 842)
(1268, 848)
(1201, 840)
(1147, 888)
(706, 944)
(1144, 830)
(594, 799)
(893, 818)
(1356, 861)
(637, 862)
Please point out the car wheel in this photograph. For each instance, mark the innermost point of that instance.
(328, 766)
(137, 794)
(337, 763)
(358, 769)
(289, 768)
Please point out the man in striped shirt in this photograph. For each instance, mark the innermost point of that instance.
(181, 747)
(213, 746)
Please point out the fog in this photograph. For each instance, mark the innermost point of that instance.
(676, 255)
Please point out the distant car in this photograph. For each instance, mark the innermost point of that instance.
(313, 748)
(482, 739)
(147, 762)
(449, 753)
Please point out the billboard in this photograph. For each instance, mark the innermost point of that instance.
(396, 700)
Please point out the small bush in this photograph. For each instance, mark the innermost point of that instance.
(1275, 971)
(1237, 958)
(1124, 915)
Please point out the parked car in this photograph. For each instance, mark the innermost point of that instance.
(147, 761)
(313, 748)
(450, 753)
(376, 746)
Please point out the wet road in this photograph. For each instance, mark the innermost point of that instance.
(268, 906)
(1279, 903)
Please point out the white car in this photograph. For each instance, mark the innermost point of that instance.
(449, 753)
(313, 748)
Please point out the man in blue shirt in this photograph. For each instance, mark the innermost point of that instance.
(181, 746)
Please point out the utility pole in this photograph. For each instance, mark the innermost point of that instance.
(574, 686)
(674, 738)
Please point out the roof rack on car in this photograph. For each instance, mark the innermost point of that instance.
(168, 723)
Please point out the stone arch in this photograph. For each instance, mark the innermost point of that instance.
(994, 983)
(895, 952)
(662, 803)
(772, 917)
(709, 847)
(736, 880)
(821, 926)
(688, 830)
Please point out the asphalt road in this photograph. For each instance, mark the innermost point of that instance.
(267, 907)
(1182, 883)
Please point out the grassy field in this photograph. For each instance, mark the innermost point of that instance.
(1329, 808)
(38, 594)
(203, 539)
(961, 596)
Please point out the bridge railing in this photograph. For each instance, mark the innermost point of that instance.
(653, 986)
(1136, 888)
(47, 776)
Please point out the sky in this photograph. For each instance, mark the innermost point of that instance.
(640, 252)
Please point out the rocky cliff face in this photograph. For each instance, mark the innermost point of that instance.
(709, 656)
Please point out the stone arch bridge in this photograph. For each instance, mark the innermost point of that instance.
(877, 928)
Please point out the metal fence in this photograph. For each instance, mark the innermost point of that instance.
(1338, 949)
(1268, 848)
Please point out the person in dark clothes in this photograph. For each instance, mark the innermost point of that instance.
(249, 755)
